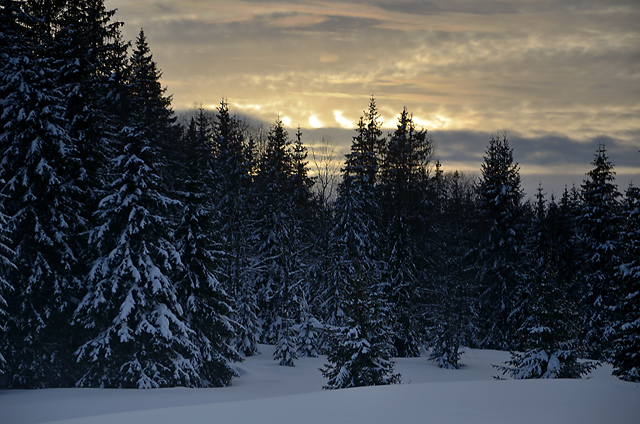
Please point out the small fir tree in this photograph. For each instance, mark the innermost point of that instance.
(359, 353)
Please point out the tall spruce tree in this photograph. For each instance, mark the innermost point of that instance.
(201, 294)
(282, 206)
(308, 327)
(356, 234)
(41, 168)
(626, 343)
(500, 254)
(359, 352)
(599, 226)
(403, 183)
(232, 180)
(141, 334)
(9, 30)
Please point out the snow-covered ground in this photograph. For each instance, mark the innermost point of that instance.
(268, 393)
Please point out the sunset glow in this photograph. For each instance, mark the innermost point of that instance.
(535, 70)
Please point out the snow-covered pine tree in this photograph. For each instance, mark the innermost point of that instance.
(281, 231)
(93, 74)
(9, 12)
(599, 227)
(308, 328)
(356, 233)
(549, 339)
(274, 167)
(403, 183)
(309, 331)
(450, 317)
(40, 167)
(359, 352)
(197, 237)
(141, 336)
(500, 253)
(626, 343)
(232, 180)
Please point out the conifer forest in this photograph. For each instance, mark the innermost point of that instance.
(137, 251)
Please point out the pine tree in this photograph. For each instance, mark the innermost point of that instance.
(140, 332)
(356, 232)
(626, 344)
(359, 352)
(500, 254)
(40, 168)
(450, 316)
(549, 337)
(232, 180)
(200, 292)
(284, 195)
(309, 332)
(403, 183)
(599, 225)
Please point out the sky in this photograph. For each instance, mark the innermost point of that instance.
(557, 76)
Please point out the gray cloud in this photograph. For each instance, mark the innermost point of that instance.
(557, 75)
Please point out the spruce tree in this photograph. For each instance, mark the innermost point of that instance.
(284, 199)
(403, 184)
(451, 319)
(140, 332)
(359, 352)
(356, 234)
(40, 168)
(9, 30)
(201, 294)
(549, 338)
(599, 226)
(500, 253)
(232, 181)
(626, 343)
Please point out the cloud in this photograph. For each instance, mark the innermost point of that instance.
(298, 20)
(558, 74)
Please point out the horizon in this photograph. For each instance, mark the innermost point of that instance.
(463, 151)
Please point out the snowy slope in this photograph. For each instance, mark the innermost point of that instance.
(267, 393)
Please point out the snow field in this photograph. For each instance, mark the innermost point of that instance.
(267, 393)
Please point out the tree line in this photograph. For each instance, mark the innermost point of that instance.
(138, 252)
